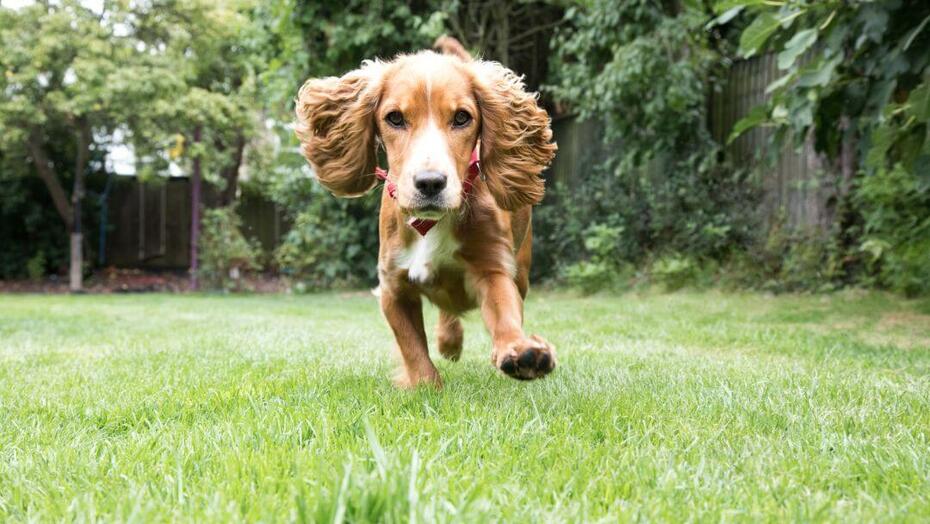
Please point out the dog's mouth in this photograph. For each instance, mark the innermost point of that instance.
(428, 212)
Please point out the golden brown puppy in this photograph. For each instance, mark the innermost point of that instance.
(430, 112)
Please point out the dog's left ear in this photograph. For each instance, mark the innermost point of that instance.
(516, 140)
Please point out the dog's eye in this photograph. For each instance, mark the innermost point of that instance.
(461, 119)
(395, 118)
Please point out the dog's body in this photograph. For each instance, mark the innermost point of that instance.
(430, 112)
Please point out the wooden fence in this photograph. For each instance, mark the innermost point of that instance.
(799, 188)
(149, 223)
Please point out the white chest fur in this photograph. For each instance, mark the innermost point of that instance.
(429, 252)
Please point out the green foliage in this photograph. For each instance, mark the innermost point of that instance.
(895, 204)
(332, 243)
(35, 266)
(604, 268)
(74, 75)
(853, 73)
(856, 71)
(674, 272)
(225, 253)
(643, 69)
(28, 224)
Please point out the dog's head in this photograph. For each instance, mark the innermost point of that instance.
(429, 111)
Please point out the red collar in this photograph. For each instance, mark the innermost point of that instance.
(423, 225)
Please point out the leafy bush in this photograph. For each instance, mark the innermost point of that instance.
(856, 77)
(604, 269)
(35, 266)
(225, 253)
(333, 242)
(895, 204)
(28, 225)
(674, 272)
(642, 69)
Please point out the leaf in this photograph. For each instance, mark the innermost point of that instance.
(758, 32)
(874, 247)
(882, 140)
(726, 5)
(919, 102)
(780, 113)
(725, 17)
(819, 73)
(910, 38)
(778, 84)
(799, 43)
(755, 117)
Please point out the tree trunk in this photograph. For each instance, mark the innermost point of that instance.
(70, 213)
(231, 174)
(76, 275)
(76, 280)
(195, 214)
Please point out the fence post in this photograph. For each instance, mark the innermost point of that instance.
(195, 213)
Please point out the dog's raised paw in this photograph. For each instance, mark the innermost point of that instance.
(527, 359)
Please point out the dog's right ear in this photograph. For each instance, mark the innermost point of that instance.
(336, 128)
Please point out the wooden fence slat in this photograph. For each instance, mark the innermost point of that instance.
(794, 186)
(150, 223)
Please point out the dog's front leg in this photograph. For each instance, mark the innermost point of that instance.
(405, 316)
(517, 355)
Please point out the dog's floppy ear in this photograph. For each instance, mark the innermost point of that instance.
(516, 140)
(336, 128)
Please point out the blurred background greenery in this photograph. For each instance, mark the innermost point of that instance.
(779, 145)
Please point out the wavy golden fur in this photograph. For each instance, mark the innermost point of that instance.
(429, 112)
(516, 140)
(336, 130)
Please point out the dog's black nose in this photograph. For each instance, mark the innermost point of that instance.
(429, 183)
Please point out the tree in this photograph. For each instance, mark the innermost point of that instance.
(161, 74)
(62, 73)
(216, 49)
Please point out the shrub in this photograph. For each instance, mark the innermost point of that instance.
(856, 77)
(225, 253)
(604, 269)
(895, 204)
(642, 70)
(333, 242)
(674, 272)
(35, 266)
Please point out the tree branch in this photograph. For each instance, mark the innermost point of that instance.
(231, 173)
(44, 170)
(536, 30)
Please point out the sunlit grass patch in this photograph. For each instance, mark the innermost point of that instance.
(707, 405)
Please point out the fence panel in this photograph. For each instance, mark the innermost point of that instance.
(150, 223)
(798, 184)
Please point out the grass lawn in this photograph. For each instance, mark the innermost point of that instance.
(692, 406)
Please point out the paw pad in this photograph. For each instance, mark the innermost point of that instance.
(528, 359)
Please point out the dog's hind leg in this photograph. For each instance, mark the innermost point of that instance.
(450, 335)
